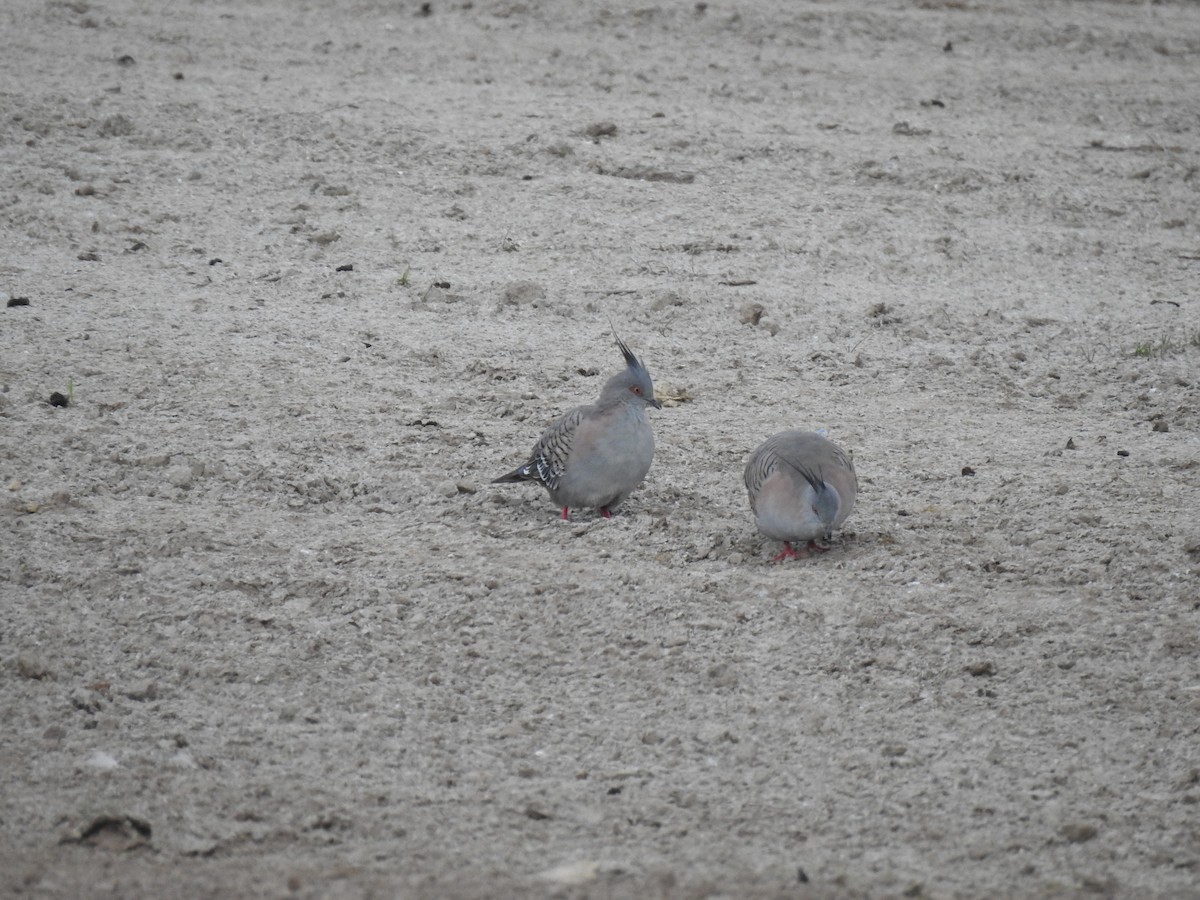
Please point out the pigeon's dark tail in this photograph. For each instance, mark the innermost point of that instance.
(520, 473)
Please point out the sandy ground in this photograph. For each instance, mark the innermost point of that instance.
(310, 275)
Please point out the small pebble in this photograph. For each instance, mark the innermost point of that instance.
(183, 759)
(1078, 832)
(571, 874)
(142, 690)
(601, 129)
(101, 760)
(1160, 425)
(751, 313)
(32, 668)
(181, 476)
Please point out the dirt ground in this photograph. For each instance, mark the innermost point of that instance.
(308, 275)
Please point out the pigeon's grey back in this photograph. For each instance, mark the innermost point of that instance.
(801, 486)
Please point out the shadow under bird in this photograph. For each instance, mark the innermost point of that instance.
(596, 455)
(801, 488)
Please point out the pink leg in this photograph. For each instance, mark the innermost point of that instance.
(604, 512)
(564, 515)
(788, 552)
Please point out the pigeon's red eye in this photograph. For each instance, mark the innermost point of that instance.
(637, 390)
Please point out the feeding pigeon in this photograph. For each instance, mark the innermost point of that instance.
(801, 488)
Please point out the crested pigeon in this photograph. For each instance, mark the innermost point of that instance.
(801, 488)
(596, 455)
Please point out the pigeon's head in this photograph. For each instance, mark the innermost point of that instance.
(632, 385)
(825, 504)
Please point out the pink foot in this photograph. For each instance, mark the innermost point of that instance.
(788, 552)
(564, 515)
(604, 512)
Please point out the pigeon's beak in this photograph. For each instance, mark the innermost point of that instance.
(654, 401)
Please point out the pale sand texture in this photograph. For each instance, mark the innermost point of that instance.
(258, 594)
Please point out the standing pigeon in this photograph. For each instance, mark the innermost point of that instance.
(801, 487)
(596, 455)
